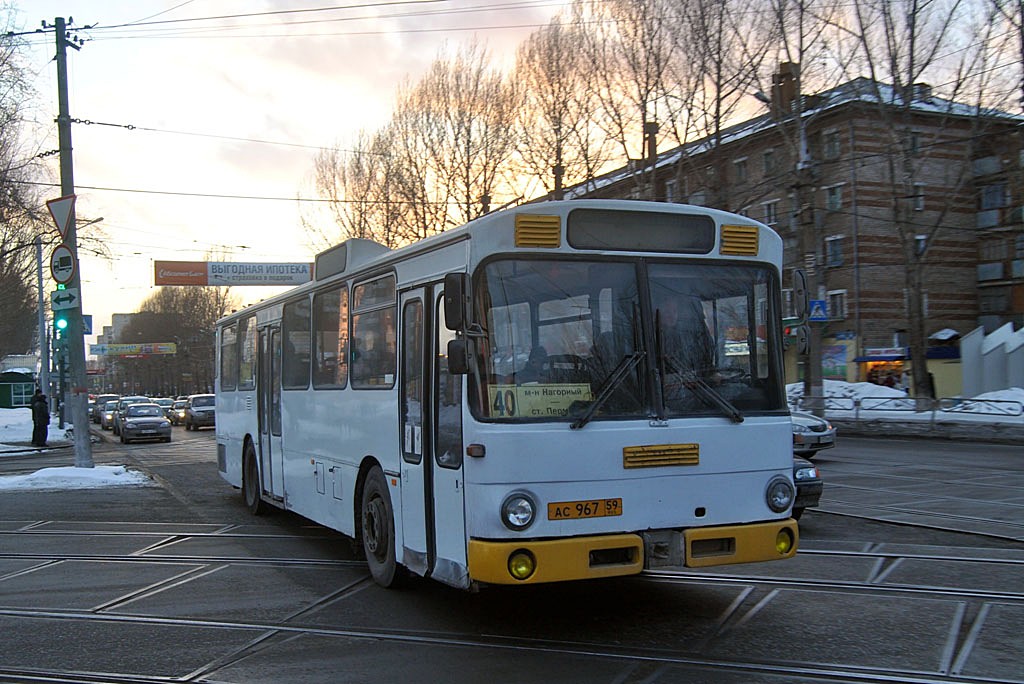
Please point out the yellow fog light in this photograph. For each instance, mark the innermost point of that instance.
(784, 541)
(521, 564)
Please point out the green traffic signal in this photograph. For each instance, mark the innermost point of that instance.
(60, 321)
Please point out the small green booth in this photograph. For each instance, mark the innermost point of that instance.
(16, 389)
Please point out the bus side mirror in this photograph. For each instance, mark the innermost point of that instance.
(456, 289)
(458, 356)
(801, 298)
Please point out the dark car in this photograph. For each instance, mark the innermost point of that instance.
(200, 411)
(811, 434)
(144, 421)
(808, 486)
(177, 413)
(101, 403)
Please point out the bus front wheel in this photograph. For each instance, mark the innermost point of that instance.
(378, 529)
(251, 482)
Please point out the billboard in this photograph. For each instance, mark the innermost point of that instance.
(133, 349)
(230, 273)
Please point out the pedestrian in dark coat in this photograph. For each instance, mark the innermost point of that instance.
(40, 418)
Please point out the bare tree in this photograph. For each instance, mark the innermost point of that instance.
(721, 46)
(185, 316)
(557, 142)
(630, 49)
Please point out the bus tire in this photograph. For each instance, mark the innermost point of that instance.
(251, 482)
(377, 521)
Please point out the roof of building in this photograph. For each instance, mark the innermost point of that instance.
(861, 89)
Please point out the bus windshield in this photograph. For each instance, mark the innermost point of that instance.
(629, 338)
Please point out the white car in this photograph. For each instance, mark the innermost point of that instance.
(811, 434)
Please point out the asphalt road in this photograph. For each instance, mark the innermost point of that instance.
(179, 581)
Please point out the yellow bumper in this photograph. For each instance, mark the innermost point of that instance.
(706, 546)
(559, 560)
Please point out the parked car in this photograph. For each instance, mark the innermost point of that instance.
(107, 415)
(122, 405)
(101, 404)
(200, 411)
(811, 434)
(177, 414)
(808, 485)
(145, 421)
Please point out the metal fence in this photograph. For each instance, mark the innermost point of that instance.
(945, 408)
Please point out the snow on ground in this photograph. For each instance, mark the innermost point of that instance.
(16, 434)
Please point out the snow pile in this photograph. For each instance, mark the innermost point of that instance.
(70, 477)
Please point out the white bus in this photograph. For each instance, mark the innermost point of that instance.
(558, 391)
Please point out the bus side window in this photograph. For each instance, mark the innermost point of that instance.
(296, 352)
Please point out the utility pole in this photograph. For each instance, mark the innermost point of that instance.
(77, 398)
(44, 339)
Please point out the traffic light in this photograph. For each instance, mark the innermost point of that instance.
(60, 322)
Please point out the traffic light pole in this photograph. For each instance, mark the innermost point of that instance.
(77, 396)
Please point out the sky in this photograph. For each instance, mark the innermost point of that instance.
(16, 432)
(233, 108)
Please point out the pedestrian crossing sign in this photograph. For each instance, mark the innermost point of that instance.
(819, 312)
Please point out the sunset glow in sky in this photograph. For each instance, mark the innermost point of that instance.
(203, 132)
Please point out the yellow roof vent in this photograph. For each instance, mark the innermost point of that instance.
(655, 455)
(739, 240)
(533, 230)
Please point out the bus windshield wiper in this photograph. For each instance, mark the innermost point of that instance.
(710, 395)
(620, 373)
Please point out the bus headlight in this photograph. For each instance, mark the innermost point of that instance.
(517, 511)
(779, 494)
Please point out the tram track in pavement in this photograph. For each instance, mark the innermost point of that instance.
(643, 662)
(753, 593)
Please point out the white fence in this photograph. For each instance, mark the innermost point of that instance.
(918, 409)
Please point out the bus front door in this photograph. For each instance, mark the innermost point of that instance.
(269, 365)
(433, 525)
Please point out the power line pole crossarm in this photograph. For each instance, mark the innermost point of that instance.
(77, 397)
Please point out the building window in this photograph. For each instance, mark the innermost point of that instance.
(770, 161)
(920, 244)
(830, 147)
(917, 201)
(744, 211)
(834, 250)
(21, 393)
(788, 310)
(834, 198)
(993, 196)
(671, 190)
(913, 143)
(771, 212)
(837, 304)
(994, 250)
(1019, 246)
(739, 168)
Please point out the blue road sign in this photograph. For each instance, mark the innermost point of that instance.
(819, 312)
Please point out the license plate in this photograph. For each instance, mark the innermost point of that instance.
(149, 432)
(591, 508)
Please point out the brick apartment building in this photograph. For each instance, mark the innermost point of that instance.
(883, 180)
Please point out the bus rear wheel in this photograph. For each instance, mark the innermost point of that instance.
(378, 529)
(251, 482)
